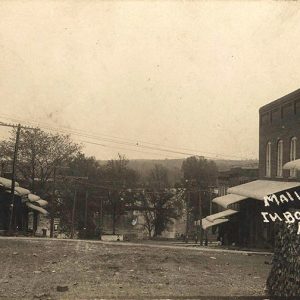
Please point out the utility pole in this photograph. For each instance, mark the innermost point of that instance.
(73, 214)
(13, 182)
(74, 204)
(53, 198)
(200, 217)
(101, 216)
(52, 204)
(210, 200)
(85, 212)
(188, 194)
(2, 168)
(114, 198)
(210, 191)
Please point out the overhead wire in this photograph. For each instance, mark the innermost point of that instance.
(128, 149)
(114, 187)
(88, 142)
(122, 141)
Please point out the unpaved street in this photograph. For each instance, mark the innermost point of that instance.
(34, 268)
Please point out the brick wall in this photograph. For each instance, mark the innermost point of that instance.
(279, 120)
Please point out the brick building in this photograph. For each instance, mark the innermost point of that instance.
(279, 135)
(235, 176)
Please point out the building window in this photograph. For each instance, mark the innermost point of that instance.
(279, 158)
(293, 147)
(268, 160)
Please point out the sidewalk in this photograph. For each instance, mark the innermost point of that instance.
(187, 247)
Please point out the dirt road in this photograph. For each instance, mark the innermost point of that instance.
(33, 269)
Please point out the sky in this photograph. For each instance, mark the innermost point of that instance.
(133, 77)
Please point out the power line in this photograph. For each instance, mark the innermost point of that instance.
(113, 187)
(106, 145)
(153, 153)
(129, 142)
(111, 146)
(77, 132)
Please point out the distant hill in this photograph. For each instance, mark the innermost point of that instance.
(144, 166)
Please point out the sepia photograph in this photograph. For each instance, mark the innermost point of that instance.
(149, 149)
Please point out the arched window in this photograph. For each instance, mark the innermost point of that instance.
(279, 157)
(268, 159)
(293, 148)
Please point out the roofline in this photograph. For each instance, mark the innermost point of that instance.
(287, 98)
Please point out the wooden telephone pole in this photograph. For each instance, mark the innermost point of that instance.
(13, 179)
(188, 200)
(13, 182)
(74, 204)
(200, 231)
(52, 204)
(73, 214)
(86, 213)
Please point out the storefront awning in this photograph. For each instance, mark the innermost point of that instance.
(220, 215)
(226, 200)
(42, 202)
(37, 208)
(21, 191)
(258, 189)
(32, 201)
(206, 224)
(6, 182)
(33, 198)
(294, 164)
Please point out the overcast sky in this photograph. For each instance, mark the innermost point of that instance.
(185, 74)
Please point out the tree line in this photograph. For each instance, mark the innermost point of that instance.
(54, 167)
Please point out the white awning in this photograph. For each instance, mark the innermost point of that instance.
(33, 198)
(42, 202)
(21, 191)
(226, 200)
(221, 214)
(6, 182)
(206, 224)
(258, 189)
(36, 199)
(37, 208)
(294, 164)
(27, 197)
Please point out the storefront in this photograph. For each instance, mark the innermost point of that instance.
(14, 210)
(241, 223)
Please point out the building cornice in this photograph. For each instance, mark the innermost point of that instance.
(281, 101)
